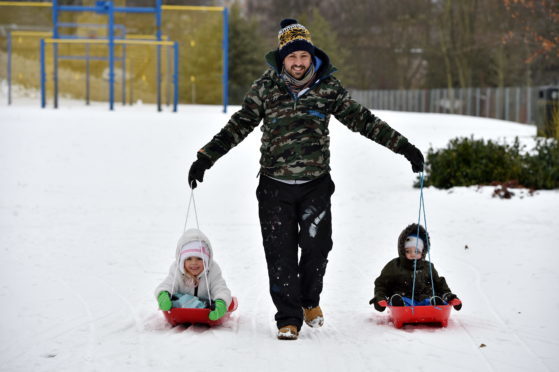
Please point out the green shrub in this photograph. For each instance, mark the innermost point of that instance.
(541, 166)
(467, 161)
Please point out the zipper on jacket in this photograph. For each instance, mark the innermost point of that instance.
(296, 96)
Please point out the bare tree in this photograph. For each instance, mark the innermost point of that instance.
(538, 32)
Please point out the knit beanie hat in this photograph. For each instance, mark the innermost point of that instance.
(413, 241)
(194, 248)
(293, 37)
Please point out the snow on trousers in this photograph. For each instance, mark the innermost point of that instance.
(293, 216)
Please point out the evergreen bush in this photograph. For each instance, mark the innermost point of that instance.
(468, 161)
(541, 166)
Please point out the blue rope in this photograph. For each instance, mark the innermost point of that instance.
(422, 207)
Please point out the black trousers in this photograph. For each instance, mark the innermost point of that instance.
(293, 216)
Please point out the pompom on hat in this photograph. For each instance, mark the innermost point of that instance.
(292, 37)
(194, 249)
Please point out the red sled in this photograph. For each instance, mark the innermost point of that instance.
(401, 315)
(179, 315)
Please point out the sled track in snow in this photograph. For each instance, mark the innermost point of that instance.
(476, 346)
(256, 322)
(93, 337)
(92, 334)
(137, 323)
(500, 320)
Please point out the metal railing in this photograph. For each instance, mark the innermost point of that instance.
(510, 103)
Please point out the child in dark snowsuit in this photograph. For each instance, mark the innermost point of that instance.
(394, 286)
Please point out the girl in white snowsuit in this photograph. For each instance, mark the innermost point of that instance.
(191, 275)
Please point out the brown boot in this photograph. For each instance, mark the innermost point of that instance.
(314, 317)
(288, 332)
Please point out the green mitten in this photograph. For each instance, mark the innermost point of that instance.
(164, 301)
(219, 311)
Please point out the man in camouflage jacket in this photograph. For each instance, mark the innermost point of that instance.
(295, 98)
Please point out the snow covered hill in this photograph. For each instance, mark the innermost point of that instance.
(92, 203)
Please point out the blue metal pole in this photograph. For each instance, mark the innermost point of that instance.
(74, 8)
(168, 76)
(55, 10)
(135, 10)
(123, 62)
(82, 58)
(225, 59)
(158, 23)
(9, 68)
(87, 72)
(43, 75)
(79, 8)
(111, 55)
(131, 87)
(55, 73)
(176, 77)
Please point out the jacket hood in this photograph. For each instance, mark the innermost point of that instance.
(273, 59)
(193, 235)
(412, 230)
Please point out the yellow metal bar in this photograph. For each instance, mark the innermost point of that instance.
(193, 7)
(76, 41)
(145, 37)
(140, 36)
(145, 42)
(32, 33)
(164, 7)
(101, 41)
(48, 33)
(18, 3)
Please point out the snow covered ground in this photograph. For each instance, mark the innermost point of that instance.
(92, 203)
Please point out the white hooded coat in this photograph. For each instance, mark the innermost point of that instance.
(217, 285)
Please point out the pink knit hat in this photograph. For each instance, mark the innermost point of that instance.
(194, 248)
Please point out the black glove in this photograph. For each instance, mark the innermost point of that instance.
(197, 169)
(375, 302)
(414, 156)
(448, 297)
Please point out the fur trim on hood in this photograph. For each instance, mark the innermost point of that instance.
(412, 230)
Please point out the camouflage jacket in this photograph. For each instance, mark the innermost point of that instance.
(295, 136)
